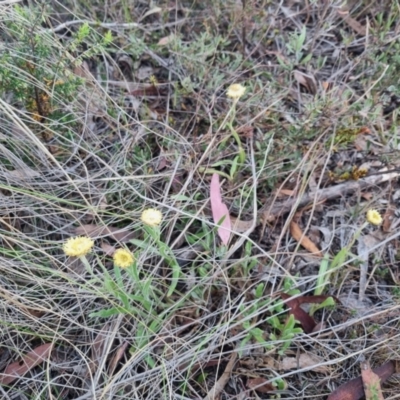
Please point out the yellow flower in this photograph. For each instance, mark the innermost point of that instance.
(373, 217)
(78, 246)
(123, 258)
(151, 217)
(235, 91)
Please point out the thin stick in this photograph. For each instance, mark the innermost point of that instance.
(221, 382)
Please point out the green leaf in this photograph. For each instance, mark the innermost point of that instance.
(105, 313)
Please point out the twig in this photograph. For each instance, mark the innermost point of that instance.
(221, 382)
(271, 211)
(111, 25)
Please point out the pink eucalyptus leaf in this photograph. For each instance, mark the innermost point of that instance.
(220, 210)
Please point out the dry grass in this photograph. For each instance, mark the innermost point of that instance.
(141, 122)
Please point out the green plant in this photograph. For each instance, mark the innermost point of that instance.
(284, 327)
(295, 46)
(36, 71)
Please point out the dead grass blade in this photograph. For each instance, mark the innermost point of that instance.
(29, 361)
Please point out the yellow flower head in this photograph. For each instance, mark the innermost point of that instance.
(78, 246)
(235, 91)
(151, 217)
(373, 217)
(123, 258)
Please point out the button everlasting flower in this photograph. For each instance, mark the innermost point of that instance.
(123, 258)
(373, 217)
(151, 217)
(78, 246)
(235, 91)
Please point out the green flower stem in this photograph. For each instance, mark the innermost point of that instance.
(167, 254)
(229, 124)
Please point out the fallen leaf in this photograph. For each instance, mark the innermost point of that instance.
(355, 25)
(223, 380)
(117, 356)
(260, 385)
(298, 235)
(98, 347)
(24, 173)
(220, 210)
(239, 225)
(166, 39)
(305, 360)
(108, 249)
(307, 322)
(94, 231)
(353, 390)
(29, 361)
(388, 218)
(285, 192)
(371, 382)
(308, 81)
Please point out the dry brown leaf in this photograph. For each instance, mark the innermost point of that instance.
(108, 249)
(353, 390)
(371, 382)
(285, 192)
(24, 173)
(307, 322)
(223, 380)
(98, 347)
(308, 81)
(29, 361)
(297, 235)
(165, 40)
(305, 360)
(117, 356)
(260, 385)
(94, 231)
(388, 218)
(355, 25)
(240, 226)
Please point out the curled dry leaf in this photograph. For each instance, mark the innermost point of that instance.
(29, 361)
(307, 322)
